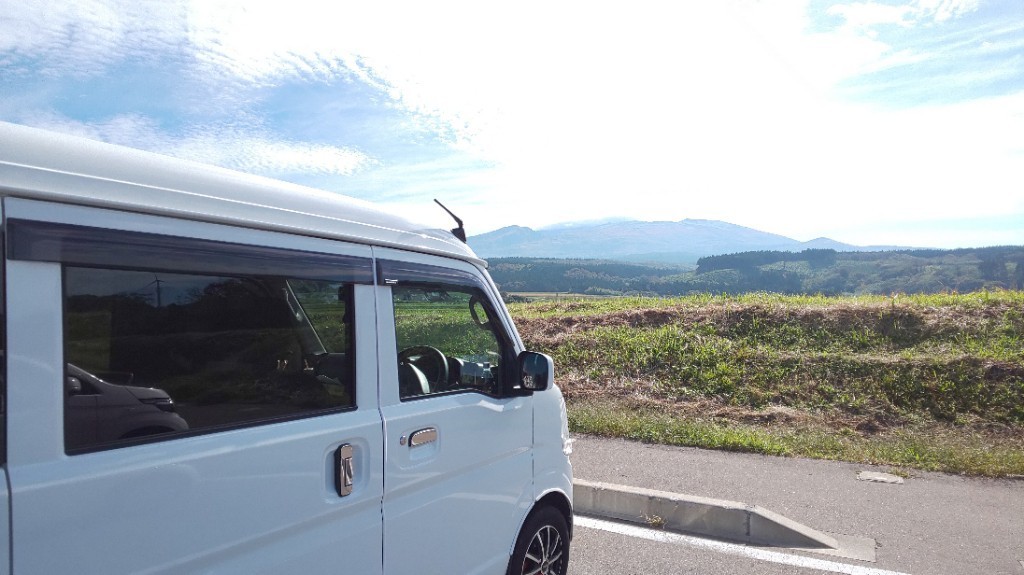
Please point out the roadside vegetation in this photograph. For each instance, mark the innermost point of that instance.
(931, 382)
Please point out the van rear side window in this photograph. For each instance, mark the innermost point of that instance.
(152, 355)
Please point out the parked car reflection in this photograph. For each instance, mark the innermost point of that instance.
(97, 411)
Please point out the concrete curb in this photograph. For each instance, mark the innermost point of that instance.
(703, 516)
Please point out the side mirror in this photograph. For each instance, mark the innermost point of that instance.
(536, 371)
(73, 385)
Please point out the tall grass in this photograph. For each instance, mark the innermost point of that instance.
(874, 366)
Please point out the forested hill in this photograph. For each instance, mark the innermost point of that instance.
(823, 271)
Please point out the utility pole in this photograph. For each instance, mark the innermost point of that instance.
(159, 295)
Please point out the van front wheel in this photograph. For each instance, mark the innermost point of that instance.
(543, 545)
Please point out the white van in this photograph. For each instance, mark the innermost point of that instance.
(211, 372)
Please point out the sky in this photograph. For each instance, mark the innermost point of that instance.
(871, 123)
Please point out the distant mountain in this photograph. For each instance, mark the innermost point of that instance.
(679, 242)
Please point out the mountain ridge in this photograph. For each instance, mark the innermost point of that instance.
(682, 241)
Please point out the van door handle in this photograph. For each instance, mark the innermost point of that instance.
(345, 469)
(428, 435)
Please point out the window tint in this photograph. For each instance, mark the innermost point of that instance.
(446, 341)
(155, 354)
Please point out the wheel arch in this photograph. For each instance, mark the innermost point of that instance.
(559, 501)
(554, 500)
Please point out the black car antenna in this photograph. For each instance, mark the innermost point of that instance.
(459, 232)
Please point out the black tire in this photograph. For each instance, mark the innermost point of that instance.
(543, 545)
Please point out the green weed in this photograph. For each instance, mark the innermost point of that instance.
(878, 370)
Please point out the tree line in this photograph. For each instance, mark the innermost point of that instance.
(822, 271)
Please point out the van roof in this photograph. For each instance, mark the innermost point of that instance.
(45, 165)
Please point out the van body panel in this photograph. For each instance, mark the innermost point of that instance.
(473, 482)
(259, 499)
(43, 165)
(552, 446)
(249, 501)
(34, 354)
(5, 526)
(458, 500)
(17, 208)
(360, 457)
(5, 496)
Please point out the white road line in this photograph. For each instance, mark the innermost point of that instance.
(729, 548)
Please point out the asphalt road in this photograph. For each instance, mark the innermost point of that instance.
(932, 524)
(598, 552)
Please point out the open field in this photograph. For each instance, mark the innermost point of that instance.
(928, 382)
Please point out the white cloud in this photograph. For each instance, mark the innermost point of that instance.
(866, 15)
(869, 14)
(127, 130)
(233, 147)
(86, 36)
(263, 155)
(722, 111)
(579, 110)
(942, 10)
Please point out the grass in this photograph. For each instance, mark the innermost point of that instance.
(923, 448)
(925, 382)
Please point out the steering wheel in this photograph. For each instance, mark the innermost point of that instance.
(430, 361)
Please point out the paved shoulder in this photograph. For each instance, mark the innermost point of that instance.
(931, 523)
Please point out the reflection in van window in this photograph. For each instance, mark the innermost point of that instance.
(155, 353)
(446, 342)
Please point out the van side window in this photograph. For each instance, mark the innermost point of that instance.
(447, 341)
(152, 354)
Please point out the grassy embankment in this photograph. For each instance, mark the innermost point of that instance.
(915, 382)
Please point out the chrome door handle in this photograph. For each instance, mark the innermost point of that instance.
(345, 469)
(428, 435)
